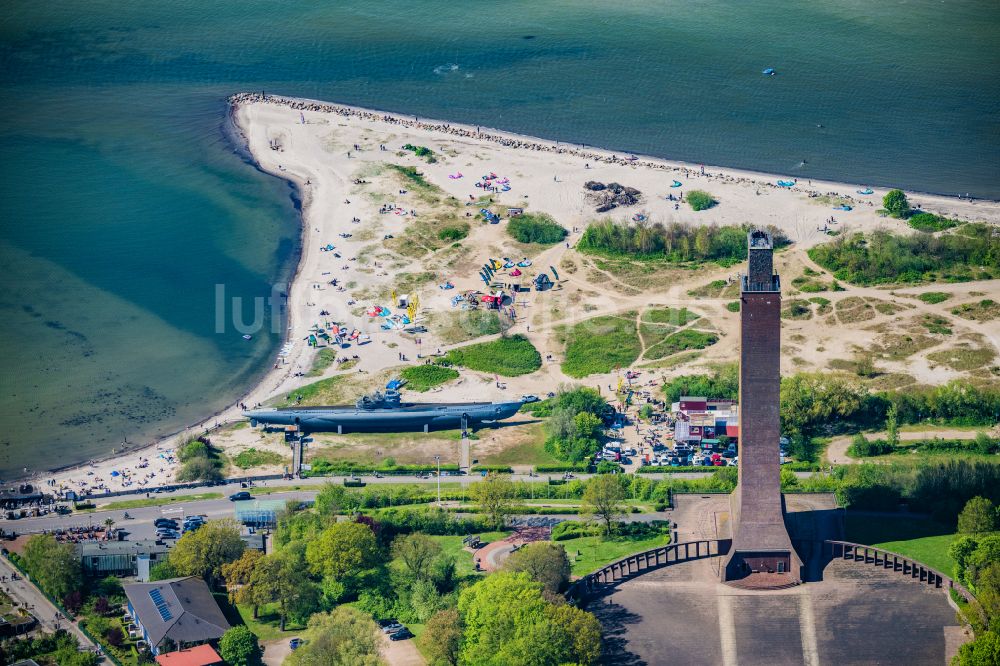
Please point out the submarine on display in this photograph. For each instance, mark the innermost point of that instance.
(385, 412)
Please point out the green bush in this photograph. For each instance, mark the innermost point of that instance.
(454, 233)
(324, 467)
(721, 385)
(425, 377)
(572, 529)
(568, 467)
(510, 357)
(699, 200)
(862, 447)
(421, 151)
(882, 257)
(733, 306)
(256, 458)
(535, 228)
(930, 223)
(674, 242)
(199, 462)
(934, 297)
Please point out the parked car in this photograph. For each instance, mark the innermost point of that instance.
(165, 522)
(168, 534)
(240, 496)
(529, 398)
(392, 628)
(401, 635)
(382, 624)
(296, 643)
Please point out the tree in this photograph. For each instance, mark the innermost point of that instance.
(343, 637)
(507, 620)
(545, 562)
(417, 551)
(204, 551)
(978, 516)
(343, 550)
(584, 631)
(604, 498)
(984, 651)
(54, 566)
(892, 427)
(238, 574)
(334, 499)
(895, 203)
(442, 638)
(494, 495)
(162, 571)
(282, 578)
(238, 646)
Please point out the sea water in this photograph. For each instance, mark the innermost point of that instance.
(123, 206)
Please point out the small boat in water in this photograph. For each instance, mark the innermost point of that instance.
(247, 337)
(768, 71)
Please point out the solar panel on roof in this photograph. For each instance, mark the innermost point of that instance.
(161, 604)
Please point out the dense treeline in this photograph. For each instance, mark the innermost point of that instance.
(971, 253)
(817, 404)
(674, 242)
(938, 488)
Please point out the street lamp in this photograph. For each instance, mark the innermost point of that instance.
(438, 460)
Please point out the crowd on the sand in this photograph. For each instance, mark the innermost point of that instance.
(507, 141)
(146, 472)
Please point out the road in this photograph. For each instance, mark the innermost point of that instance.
(140, 525)
(41, 608)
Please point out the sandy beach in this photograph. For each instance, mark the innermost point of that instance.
(356, 251)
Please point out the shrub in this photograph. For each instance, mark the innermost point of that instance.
(882, 257)
(454, 233)
(699, 200)
(573, 529)
(256, 458)
(934, 297)
(425, 377)
(510, 357)
(930, 223)
(733, 307)
(674, 242)
(535, 228)
(199, 462)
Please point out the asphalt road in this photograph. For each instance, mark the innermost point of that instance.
(48, 616)
(140, 525)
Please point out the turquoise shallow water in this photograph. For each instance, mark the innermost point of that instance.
(122, 205)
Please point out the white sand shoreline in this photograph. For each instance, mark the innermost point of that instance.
(280, 378)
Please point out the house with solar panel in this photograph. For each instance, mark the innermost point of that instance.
(175, 613)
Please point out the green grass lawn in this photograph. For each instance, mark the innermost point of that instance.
(924, 540)
(155, 500)
(510, 357)
(595, 551)
(267, 625)
(601, 344)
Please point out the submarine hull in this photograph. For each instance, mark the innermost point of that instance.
(404, 418)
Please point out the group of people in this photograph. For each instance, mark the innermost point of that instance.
(503, 140)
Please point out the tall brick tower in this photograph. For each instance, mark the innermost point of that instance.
(760, 540)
